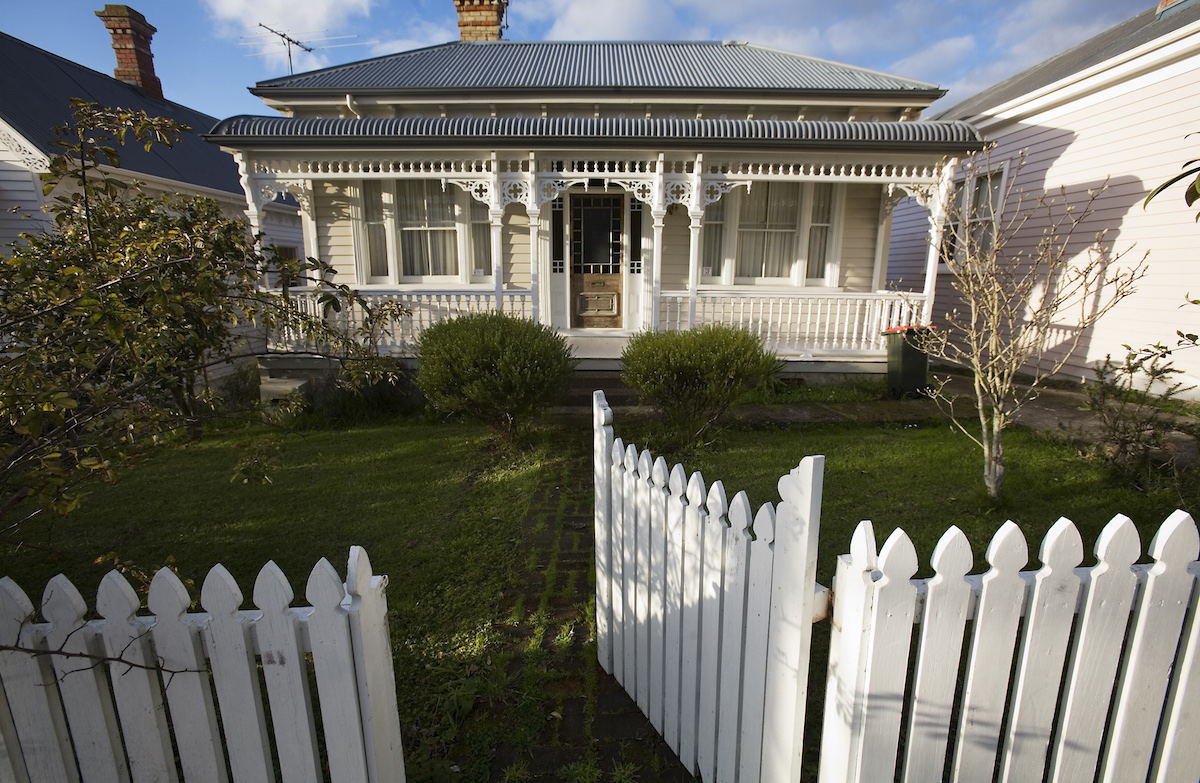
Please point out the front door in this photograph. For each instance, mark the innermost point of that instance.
(596, 233)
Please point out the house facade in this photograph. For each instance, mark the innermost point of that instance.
(1109, 116)
(35, 98)
(607, 188)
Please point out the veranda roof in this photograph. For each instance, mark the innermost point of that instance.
(524, 133)
(590, 68)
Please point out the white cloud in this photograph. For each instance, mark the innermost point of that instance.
(936, 60)
(420, 35)
(614, 20)
(304, 21)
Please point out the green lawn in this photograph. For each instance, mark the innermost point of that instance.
(463, 528)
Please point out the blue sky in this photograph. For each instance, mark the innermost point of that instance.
(962, 45)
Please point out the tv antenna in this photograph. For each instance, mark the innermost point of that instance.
(288, 42)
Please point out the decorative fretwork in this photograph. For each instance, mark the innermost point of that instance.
(480, 189)
(514, 191)
(846, 171)
(678, 191)
(30, 158)
(642, 190)
(714, 190)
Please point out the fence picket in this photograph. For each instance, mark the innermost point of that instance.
(601, 482)
(997, 616)
(12, 766)
(189, 694)
(86, 699)
(1176, 759)
(617, 543)
(673, 607)
(32, 693)
(642, 569)
(890, 630)
(943, 625)
(286, 676)
(797, 523)
(695, 522)
(337, 689)
(135, 684)
(630, 574)
(1043, 650)
(758, 616)
(367, 607)
(659, 495)
(1092, 668)
(712, 600)
(732, 631)
(1142, 685)
(235, 674)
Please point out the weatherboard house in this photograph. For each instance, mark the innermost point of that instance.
(608, 188)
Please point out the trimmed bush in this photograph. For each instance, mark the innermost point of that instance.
(495, 368)
(693, 376)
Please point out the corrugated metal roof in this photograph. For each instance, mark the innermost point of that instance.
(465, 66)
(1141, 29)
(36, 88)
(548, 132)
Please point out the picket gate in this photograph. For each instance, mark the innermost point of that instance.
(178, 695)
(1068, 672)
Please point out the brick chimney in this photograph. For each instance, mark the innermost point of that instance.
(480, 20)
(1165, 6)
(131, 40)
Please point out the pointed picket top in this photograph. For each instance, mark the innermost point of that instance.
(952, 557)
(764, 524)
(645, 463)
(220, 594)
(659, 473)
(618, 453)
(678, 482)
(324, 589)
(272, 592)
(898, 558)
(16, 611)
(716, 502)
(631, 458)
(740, 514)
(1119, 544)
(116, 599)
(862, 546)
(1177, 542)
(1007, 550)
(63, 607)
(168, 596)
(1062, 548)
(696, 493)
(794, 487)
(603, 413)
(360, 579)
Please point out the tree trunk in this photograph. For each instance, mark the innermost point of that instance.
(993, 459)
(185, 401)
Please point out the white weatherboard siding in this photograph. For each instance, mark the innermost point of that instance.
(860, 233)
(516, 247)
(335, 229)
(1132, 135)
(676, 241)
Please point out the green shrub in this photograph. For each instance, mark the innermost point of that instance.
(692, 377)
(495, 368)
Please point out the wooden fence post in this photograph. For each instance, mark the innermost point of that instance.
(797, 524)
(602, 440)
(367, 607)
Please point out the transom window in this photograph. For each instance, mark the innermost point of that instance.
(780, 233)
(418, 231)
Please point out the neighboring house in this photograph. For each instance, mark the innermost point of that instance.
(607, 188)
(36, 88)
(1116, 110)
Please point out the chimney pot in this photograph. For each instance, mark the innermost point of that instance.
(131, 35)
(480, 20)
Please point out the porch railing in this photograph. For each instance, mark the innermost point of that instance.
(800, 323)
(425, 309)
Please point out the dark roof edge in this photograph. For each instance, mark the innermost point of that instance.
(484, 92)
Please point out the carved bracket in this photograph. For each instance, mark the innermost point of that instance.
(480, 190)
(31, 158)
(642, 189)
(678, 191)
(714, 190)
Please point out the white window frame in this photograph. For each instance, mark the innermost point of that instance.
(964, 191)
(462, 228)
(727, 275)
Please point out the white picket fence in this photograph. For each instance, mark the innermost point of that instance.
(704, 608)
(130, 697)
(1069, 673)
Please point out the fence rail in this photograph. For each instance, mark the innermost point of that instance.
(802, 323)
(704, 608)
(178, 695)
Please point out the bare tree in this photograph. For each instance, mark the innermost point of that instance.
(1031, 282)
